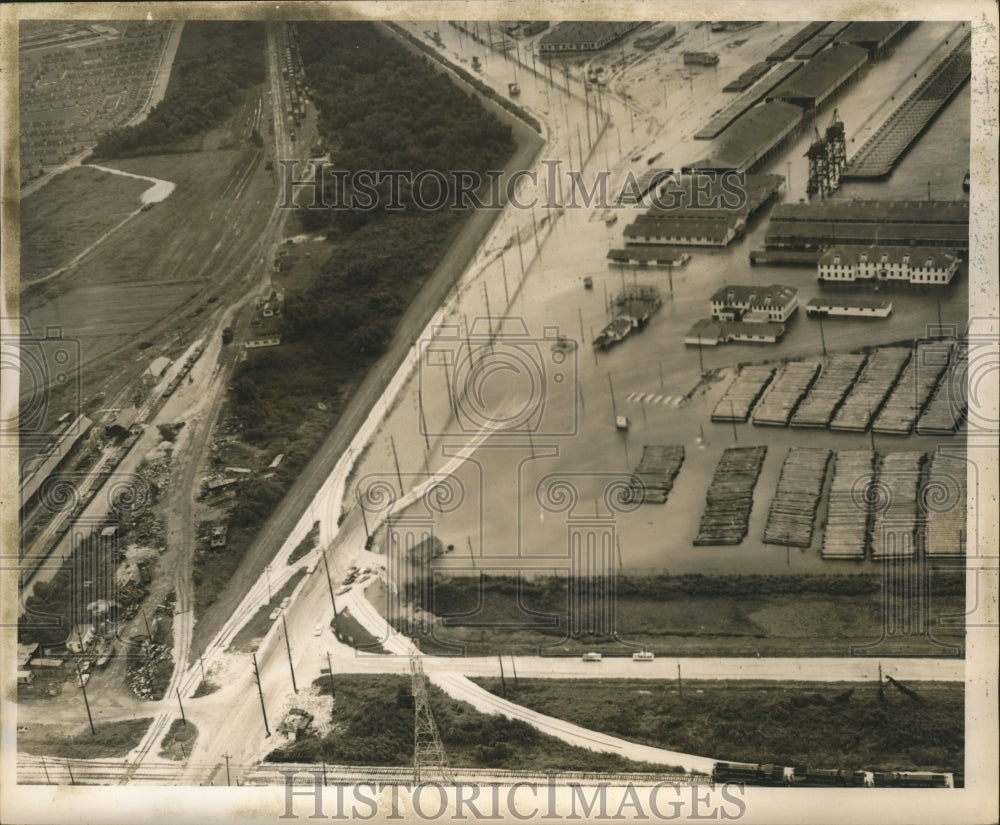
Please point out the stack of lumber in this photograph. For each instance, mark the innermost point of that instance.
(742, 394)
(909, 398)
(793, 508)
(730, 496)
(944, 501)
(657, 469)
(863, 402)
(949, 403)
(895, 506)
(785, 392)
(830, 389)
(846, 535)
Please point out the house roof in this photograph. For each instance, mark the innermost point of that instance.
(755, 295)
(938, 257)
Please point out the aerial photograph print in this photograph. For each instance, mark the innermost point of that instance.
(414, 413)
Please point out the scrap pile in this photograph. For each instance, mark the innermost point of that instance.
(785, 393)
(657, 470)
(895, 506)
(944, 501)
(846, 535)
(866, 397)
(793, 509)
(742, 394)
(915, 386)
(826, 395)
(948, 405)
(730, 496)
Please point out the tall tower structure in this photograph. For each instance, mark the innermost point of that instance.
(429, 761)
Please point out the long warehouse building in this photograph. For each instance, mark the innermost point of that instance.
(822, 77)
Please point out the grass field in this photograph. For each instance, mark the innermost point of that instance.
(373, 725)
(67, 215)
(179, 740)
(840, 725)
(111, 739)
(683, 615)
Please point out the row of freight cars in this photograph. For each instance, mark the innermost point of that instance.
(749, 773)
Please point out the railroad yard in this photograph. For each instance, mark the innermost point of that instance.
(558, 426)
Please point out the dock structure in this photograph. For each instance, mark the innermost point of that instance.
(828, 392)
(869, 392)
(833, 222)
(730, 497)
(785, 393)
(656, 471)
(879, 154)
(748, 77)
(945, 504)
(753, 95)
(894, 504)
(949, 403)
(846, 534)
(796, 41)
(913, 390)
(822, 77)
(742, 394)
(792, 516)
(752, 138)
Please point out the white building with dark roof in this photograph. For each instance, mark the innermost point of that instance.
(912, 264)
(755, 304)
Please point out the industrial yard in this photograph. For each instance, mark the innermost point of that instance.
(715, 423)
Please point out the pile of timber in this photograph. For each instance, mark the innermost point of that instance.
(834, 382)
(944, 502)
(793, 509)
(730, 496)
(657, 470)
(846, 534)
(876, 382)
(742, 394)
(785, 393)
(909, 398)
(895, 506)
(949, 403)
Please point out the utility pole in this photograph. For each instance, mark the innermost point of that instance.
(329, 584)
(45, 767)
(260, 692)
(520, 253)
(822, 338)
(149, 633)
(472, 555)
(680, 687)
(618, 547)
(395, 460)
(364, 518)
(69, 767)
(614, 406)
(329, 666)
(513, 665)
(732, 417)
(579, 312)
(86, 703)
(489, 315)
(503, 682)
(288, 648)
(179, 702)
(227, 756)
(503, 270)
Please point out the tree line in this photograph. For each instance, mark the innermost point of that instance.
(216, 61)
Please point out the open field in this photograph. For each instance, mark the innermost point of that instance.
(62, 219)
(111, 739)
(373, 719)
(250, 635)
(839, 725)
(682, 616)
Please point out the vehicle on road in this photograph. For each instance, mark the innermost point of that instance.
(285, 602)
(343, 590)
(318, 629)
(274, 614)
(643, 656)
(592, 657)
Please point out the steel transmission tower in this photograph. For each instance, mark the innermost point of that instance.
(428, 752)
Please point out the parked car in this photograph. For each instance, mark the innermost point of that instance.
(592, 657)
(643, 656)
(285, 602)
(343, 590)
(274, 614)
(318, 629)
